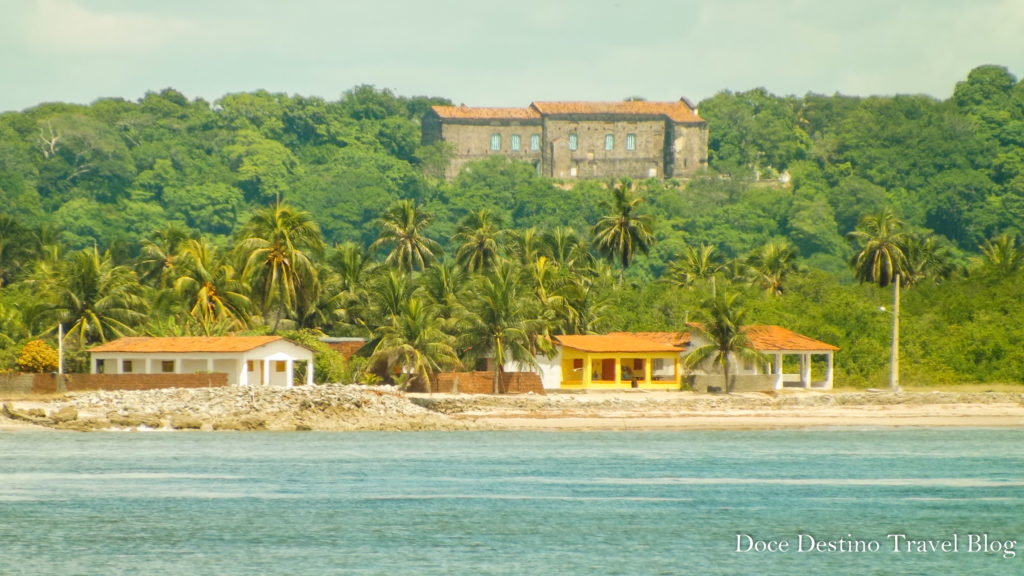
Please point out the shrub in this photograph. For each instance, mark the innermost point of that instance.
(37, 356)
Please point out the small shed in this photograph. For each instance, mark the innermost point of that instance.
(247, 360)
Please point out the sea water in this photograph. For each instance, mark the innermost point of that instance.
(833, 501)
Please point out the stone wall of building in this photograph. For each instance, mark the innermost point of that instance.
(688, 149)
(472, 141)
(592, 160)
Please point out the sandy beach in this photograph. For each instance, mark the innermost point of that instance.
(382, 408)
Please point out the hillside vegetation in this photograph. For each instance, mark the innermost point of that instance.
(268, 212)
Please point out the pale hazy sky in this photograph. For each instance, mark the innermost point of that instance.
(499, 53)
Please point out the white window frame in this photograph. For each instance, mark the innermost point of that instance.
(609, 141)
(495, 141)
(534, 141)
(631, 142)
(574, 141)
(514, 141)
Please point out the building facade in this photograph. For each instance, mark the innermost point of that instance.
(570, 140)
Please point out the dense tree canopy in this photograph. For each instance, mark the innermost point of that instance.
(262, 211)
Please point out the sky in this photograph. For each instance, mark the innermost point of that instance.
(499, 53)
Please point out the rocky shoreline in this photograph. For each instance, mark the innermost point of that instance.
(336, 407)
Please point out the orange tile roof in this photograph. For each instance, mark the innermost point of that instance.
(466, 112)
(186, 344)
(676, 111)
(768, 337)
(680, 339)
(620, 342)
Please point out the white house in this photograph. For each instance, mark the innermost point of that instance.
(247, 360)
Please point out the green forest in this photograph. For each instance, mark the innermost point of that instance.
(270, 213)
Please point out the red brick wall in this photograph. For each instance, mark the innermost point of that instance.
(483, 383)
(47, 383)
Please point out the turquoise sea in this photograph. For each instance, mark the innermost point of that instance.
(513, 502)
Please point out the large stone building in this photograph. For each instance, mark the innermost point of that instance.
(569, 140)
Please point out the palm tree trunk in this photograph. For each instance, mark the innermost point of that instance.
(725, 371)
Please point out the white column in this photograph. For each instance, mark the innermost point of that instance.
(309, 372)
(209, 364)
(289, 370)
(266, 372)
(243, 372)
(828, 371)
(119, 369)
(805, 370)
(777, 370)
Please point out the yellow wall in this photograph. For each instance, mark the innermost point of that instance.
(583, 378)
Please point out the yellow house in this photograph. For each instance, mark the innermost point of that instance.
(597, 361)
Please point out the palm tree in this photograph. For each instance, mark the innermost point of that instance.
(414, 340)
(1000, 256)
(350, 270)
(619, 235)
(216, 297)
(445, 285)
(567, 248)
(722, 330)
(94, 298)
(498, 321)
(477, 238)
(525, 245)
(768, 266)
(16, 247)
(157, 257)
(880, 256)
(925, 258)
(694, 264)
(403, 229)
(275, 251)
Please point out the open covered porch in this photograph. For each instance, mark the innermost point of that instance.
(617, 361)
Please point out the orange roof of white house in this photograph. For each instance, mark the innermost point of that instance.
(178, 344)
(769, 337)
(618, 342)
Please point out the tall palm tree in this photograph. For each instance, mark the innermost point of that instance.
(525, 245)
(623, 232)
(350, 271)
(17, 247)
(415, 341)
(275, 249)
(768, 266)
(722, 330)
(694, 264)
(445, 285)
(211, 288)
(95, 299)
(477, 239)
(567, 248)
(498, 321)
(403, 230)
(925, 258)
(1001, 256)
(880, 238)
(157, 256)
